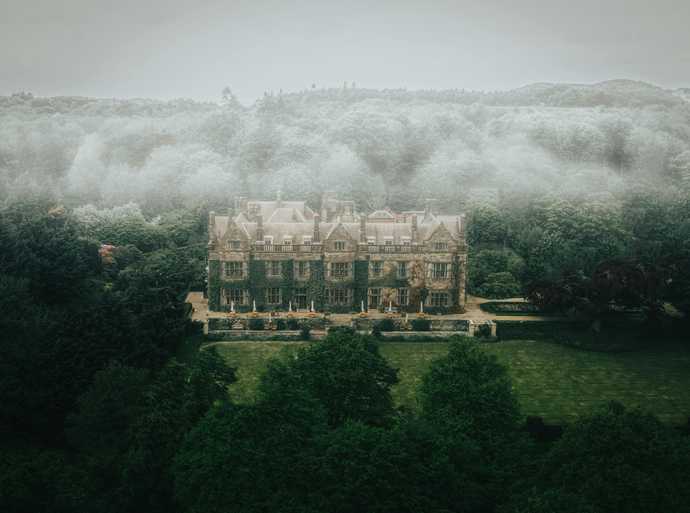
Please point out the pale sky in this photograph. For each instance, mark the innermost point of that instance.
(183, 48)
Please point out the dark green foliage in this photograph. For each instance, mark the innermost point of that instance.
(385, 325)
(42, 243)
(484, 263)
(256, 324)
(353, 465)
(468, 390)
(420, 324)
(108, 408)
(39, 480)
(235, 454)
(616, 460)
(499, 285)
(347, 375)
(342, 330)
(305, 330)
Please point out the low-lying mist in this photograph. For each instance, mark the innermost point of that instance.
(379, 147)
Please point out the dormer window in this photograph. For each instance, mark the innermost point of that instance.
(306, 240)
(440, 246)
(388, 241)
(287, 241)
(406, 240)
(235, 244)
(371, 241)
(268, 240)
(339, 245)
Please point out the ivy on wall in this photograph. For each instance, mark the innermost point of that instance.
(315, 284)
(361, 284)
(257, 281)
(287, 287)
(214, 284)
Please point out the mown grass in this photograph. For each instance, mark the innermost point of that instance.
(556, 382)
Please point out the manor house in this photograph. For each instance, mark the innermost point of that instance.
(277, 254)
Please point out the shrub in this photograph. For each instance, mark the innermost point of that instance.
(305, 331)
(376, 331)
(484, 330)
(343, 330)
(421, 325)
(256, 324)
(499, 285)
(293, 324)
(386, 325)
(281, 324)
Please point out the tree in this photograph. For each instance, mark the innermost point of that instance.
(615, 460)
(345, 373)
(405, 468)
(469, 391)
(251, 457)
(178, 398)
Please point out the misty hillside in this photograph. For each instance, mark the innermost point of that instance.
(380, 146)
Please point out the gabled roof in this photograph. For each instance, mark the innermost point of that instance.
(287, 215)
(268, 208)
(380, 214)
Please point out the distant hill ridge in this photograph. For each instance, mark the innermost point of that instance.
(610, 93)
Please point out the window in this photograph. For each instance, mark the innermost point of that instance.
(306, 240)
(236, 296)
(235, 244)
(371, 241)
(439, 299)
(406, 240)
(402, 269)
(268, 240)
(234, 269)
(376, 268)
(302, 269)
(273, 296)
(440, 246)
(374, 298)
(339, 245)
(340, 269)
(338, 296)
(273, 268)
(287, 241)
(388, 241)
(403, 297)
(300, 298)
(439, 271)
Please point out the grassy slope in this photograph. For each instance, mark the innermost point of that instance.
(556, 382)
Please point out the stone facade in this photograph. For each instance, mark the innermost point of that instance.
(277, 253)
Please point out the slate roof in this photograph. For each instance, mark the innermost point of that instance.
(268, 208)
(381, 231)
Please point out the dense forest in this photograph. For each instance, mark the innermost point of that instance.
(576, 196)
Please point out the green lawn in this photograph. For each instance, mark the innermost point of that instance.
(556, 382)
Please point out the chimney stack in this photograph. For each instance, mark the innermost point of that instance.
(211, 227)
(363, 228)
(259, 227)
(428, 207)
(461, 228)
(317, 229)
